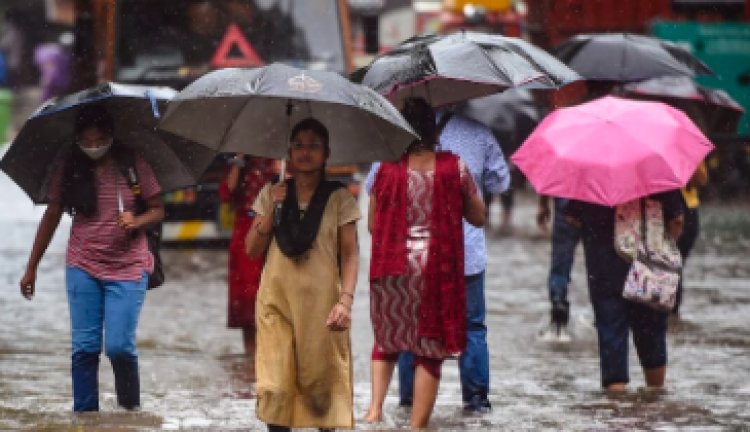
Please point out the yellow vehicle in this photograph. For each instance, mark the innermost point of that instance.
(492, 16)
(173, 42)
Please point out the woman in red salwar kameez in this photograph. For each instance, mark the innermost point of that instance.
(245, 178)
(417, 293)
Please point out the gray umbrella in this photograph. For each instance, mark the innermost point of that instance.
(712, 109)
(252, 111)
(454, 68)
(625, 57)
(45, 140)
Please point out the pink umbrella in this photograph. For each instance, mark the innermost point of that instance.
(611, 151)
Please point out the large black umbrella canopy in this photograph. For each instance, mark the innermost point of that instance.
(460, 66)
(712, 109)
(511, 115)
(625, 57)
(252, 111)
(45, 141)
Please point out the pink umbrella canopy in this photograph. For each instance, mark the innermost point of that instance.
(611, 151)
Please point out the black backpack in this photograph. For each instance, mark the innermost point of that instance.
(153, 234)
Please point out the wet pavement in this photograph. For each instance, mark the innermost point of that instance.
(194, 376)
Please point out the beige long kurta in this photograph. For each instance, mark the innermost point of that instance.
(304, 370)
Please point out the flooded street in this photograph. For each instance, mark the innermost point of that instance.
(194, 376)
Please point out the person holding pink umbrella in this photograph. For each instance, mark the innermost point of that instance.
(615, 316)
(602, 154)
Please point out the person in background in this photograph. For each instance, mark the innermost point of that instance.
(417, 291)
(205, 29)
(245, 178)
(616, 317)
(692, 223)
(303, 311)
(477, 147)
(107, 261)
(565, 238)
(55, 67)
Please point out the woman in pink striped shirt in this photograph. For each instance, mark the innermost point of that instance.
(107, 261)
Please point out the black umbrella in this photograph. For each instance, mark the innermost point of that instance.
(511, 115)
(252, 111)
(461, 66)
(45, 140)
(625, 57)
(712, 109)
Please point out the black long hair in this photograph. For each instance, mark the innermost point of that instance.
(78, 193)
(421, 117)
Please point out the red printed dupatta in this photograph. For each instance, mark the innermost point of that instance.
(442, 312)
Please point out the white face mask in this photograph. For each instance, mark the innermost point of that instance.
(96, 153)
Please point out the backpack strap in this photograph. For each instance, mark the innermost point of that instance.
(644, 226)
(126, 163)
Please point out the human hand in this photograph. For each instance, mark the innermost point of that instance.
(573, 221)
(542, 217)
(278, 192)
(675, 227)
(340, 318)
(126, 220)
(27, 284)
(238, 160)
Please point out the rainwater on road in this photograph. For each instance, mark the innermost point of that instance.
(195, 377)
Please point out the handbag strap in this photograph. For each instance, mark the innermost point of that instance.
(644, 227)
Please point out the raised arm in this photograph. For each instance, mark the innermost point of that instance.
(259, 236)
(474, 210)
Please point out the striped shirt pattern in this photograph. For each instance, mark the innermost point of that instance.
(97, 245)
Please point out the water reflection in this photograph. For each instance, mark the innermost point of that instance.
(194, 376)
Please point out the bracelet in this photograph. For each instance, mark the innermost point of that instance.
(345, 306)
(348, 294)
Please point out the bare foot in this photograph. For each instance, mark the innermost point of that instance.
(616, 388)
(373, 416)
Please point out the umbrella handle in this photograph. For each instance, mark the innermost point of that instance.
(277, 209)
(154, 104)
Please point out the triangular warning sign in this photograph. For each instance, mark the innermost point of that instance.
(223, 57)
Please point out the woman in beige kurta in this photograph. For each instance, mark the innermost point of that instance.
(303, 360)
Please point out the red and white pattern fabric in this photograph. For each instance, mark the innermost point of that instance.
(97, 245)
(395, 300)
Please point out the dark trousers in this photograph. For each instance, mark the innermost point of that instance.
(565, 238)
(616, 317)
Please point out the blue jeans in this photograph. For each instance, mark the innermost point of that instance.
(565, 238)
(111, 307)
(473, 364)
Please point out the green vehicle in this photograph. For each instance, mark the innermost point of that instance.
(725, 47)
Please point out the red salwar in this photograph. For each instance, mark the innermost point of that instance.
(244, 272)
